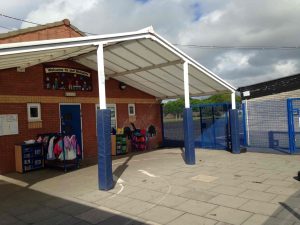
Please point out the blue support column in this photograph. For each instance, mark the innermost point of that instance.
(244, 123)
(234, 129)
(105, 177)
(189, 144)
(162, 124)
(291, 129)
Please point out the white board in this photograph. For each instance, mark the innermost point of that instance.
(9, 124)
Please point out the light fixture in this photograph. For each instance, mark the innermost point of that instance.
(122, 86)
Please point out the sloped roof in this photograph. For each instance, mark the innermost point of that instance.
(141, 59)
(65, 22)
(276, 86)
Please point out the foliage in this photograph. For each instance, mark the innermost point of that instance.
(176, 107)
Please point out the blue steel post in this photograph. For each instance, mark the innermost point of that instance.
(189, 143)
(226, 107)
(105, 178)
(213, 126)
(234, 125)
(162, 124)
(244, 124)
(201, 128)
(291, 128)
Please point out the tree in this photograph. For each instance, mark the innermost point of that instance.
(176, 107)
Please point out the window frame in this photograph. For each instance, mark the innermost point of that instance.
(133, 106)
(34, 105)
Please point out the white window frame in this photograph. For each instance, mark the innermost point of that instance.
(35, 105)
(108, 106)
(133, 106)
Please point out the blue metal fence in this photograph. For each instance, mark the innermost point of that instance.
(211, 127)
(293, 110)
(272, 125)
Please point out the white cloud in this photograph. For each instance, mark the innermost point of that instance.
(286, 67)
(58, 10)
(231, 61)
(219, 22)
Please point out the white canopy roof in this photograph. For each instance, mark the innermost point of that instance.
(141, 59)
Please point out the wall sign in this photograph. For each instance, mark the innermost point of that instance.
(9, 124)
(69, 79)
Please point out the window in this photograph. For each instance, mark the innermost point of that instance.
(113, 114)
(34, 112)
(131, 109)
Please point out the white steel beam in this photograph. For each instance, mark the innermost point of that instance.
(186, 85)
(145, 68)
(185, 57)
(233, 104)
(101, 77)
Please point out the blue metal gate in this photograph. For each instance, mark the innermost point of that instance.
(293, 109)
(214, 124)
(211, 127)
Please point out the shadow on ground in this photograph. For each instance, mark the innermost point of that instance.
(288, 211)
(22, 205)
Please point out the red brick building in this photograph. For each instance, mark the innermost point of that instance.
(21, 89)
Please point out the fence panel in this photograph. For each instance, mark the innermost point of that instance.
(266, 125)
(211, 127)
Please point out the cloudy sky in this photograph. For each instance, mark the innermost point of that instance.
(190, 24)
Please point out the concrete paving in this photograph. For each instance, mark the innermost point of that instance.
(158, 188)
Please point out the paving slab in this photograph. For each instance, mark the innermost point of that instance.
(266, 220)
(120, 220)
(135, 207)
(282, 190)
(261, 207)
(94, 196)
(94, 216)
(229, 215)
(37, 215)
(204, 178)
(161, 214)
(229, 201)
(258, 179)
(196, 207)
(199, 195)
(7, 219)
(190, 219)
(276, 182)
(114, 201)
(257, 195)
(199, 185)
(147, 195)
(227, 190)
(59, 219)
(172, 200)
(254, 186)
(289, 213)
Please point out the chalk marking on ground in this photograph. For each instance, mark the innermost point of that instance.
(122, 188)
(147, 173)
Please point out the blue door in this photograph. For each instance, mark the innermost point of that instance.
(71, 121)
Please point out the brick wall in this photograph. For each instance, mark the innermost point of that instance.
(56, 32)
(28, 87)
(18, 89)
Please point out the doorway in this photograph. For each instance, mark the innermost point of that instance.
(70, 122)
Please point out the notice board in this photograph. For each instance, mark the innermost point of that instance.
(9, 124)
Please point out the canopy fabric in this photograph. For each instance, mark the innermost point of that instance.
(141, 59)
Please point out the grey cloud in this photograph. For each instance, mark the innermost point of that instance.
(237, 23)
